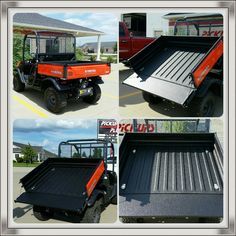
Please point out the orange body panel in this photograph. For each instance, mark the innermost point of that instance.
(85, 71)
(201, 72)
(51, 70)
(74, 71)
(95, 178)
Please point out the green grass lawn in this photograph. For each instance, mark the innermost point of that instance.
(15, 164)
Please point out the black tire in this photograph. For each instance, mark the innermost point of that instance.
(18, 86)
(95, 96)
(55, 101)
(93, 214)
(151, 99)
(114, 200)
(41, 214)
(205, 106)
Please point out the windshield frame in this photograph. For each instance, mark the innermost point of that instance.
(38, 35)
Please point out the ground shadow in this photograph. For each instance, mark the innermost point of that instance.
(20, 211)
(72, 105)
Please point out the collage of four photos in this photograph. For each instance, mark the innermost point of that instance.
(117, 118)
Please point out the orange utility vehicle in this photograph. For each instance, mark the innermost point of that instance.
(77, 184)
(49, 64)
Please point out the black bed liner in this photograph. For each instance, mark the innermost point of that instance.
(171, 175)
(47, 185)
(164, 67)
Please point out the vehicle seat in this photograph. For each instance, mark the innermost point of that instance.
(28, 68)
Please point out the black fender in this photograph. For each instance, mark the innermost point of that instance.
(114, 191)
(97, 193)
(207, 84)
(96, 80)
(20, 74)
(48, 82)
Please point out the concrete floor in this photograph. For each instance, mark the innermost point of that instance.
(22, 213)
(30, 104)
(132, 103)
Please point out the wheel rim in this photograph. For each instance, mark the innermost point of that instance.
(52, 99)
(207, 108)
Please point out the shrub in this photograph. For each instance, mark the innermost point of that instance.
(17, 49)
(110, 59)
(79, 54)
(19, 159)
(93, 58)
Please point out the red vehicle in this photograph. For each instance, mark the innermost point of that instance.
(49, 64)
(129, 44)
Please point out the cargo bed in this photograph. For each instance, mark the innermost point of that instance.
(73, 69)
(171, 175)
(172, 67)
(59, 183)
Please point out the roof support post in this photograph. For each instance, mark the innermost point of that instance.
(99, 48)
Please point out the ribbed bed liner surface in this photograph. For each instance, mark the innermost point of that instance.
(58, 183)
(63, 180)
(184, 171)
(173, 65)
(158, 169)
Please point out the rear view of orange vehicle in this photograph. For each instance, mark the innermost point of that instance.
(49, 64)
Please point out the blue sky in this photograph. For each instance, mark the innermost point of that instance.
(105, 22)
(49, 133)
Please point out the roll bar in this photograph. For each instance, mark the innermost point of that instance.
(105, 144)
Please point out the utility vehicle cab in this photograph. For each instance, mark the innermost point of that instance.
(77, 184)
(49, 64)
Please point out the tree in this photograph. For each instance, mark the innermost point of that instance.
(115, 48)
(102, 50)
(84, 154)
(97, 153)
(17, 49)
(28, 154)
(79, 54)
(76, 155)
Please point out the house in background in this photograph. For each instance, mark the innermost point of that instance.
(23, 22)
(42, 154)
(107, 47)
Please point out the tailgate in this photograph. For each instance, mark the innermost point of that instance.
(76, 70)
(63, 202)
(84, 71)
(166, 89)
